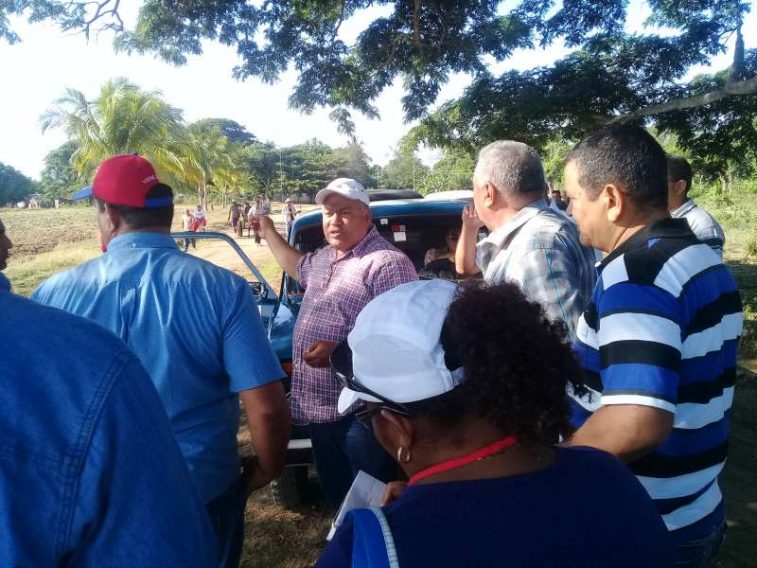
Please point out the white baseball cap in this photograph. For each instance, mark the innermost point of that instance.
(347, 187)
(396, 346)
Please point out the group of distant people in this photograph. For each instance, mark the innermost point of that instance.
(501, 443)
(243, 215)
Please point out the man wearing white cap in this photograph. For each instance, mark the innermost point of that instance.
(339, 280)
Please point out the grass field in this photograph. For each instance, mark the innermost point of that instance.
(46, 241)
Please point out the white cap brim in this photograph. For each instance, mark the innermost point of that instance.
(349, 397)
(324, 194)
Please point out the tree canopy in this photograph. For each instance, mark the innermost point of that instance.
(611, 72)
(14, 186)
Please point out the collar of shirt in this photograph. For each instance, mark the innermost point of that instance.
(663, 228)
(141, 240)
(684, 208)
(362, 247)
(5, 284)
(501, 237)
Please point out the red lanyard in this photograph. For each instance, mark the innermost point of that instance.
(456, 463)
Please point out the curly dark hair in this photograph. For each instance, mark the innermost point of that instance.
(517, 365)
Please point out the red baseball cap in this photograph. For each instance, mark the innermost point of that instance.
(126, 180)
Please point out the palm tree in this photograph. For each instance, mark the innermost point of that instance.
(212, 161)
(121, 120)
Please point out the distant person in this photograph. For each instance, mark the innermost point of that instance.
(264, 207)
(529, 244)
(5, 246)
(658, 341)
(289, 212)
(201, 218)
(681, 206)
(440, 262)
(235, 212)
(339, 279)
(189, 224)
(197, 330)
(252, 222)
(467, 390)
(90, 473)
(557, 201)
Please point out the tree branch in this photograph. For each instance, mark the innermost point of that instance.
(737, 88)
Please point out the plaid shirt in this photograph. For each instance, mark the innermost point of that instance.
(336, 290)
(538, 249)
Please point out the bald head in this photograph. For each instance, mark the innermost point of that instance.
(514, 168)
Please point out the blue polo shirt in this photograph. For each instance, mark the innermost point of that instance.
(90, 473)
(195, 327)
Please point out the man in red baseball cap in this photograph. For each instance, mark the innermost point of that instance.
(197, 330)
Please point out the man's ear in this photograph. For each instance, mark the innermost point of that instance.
(679, 188)
(616, 202)
(111, 220)
(490, 194)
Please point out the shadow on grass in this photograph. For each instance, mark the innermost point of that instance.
(746, 275)
(739, 482)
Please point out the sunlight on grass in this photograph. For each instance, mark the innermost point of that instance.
(28, 273)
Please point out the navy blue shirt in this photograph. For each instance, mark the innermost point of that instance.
(584, 510)
(195, 327)
(90, 473)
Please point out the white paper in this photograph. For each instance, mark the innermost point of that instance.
(365, 491)
(400, 236)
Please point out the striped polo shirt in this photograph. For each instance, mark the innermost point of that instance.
(662, 330)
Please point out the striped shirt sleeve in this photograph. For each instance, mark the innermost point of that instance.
(639, 338)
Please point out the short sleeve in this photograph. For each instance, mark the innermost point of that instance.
(639, 337)
(136, 504)
(248, 358)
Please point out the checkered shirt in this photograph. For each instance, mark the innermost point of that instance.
(538, 249)
(335, 292)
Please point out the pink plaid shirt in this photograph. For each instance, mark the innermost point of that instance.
(335, 292)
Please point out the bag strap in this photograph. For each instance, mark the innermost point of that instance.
(373, 544)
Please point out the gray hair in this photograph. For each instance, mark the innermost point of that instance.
(514, 168)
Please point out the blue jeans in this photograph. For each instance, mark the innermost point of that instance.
(700, 553)
(343, 448)
(226, 514)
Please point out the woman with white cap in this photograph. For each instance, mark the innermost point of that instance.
(466, 387)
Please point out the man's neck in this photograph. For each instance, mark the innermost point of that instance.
(626, 232)
(510, 209)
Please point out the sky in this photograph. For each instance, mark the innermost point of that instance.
(47, 61)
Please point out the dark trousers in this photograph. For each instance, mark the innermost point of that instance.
(343, 448)
(226, 514)
(700, 553)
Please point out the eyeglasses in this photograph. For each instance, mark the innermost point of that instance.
(366, 415)
(386, 404)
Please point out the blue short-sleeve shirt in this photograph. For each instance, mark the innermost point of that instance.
(195, 327)
(90, 473)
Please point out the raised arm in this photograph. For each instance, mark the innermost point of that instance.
(285, 255)
(465, 254)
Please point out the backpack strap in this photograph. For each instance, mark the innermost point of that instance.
(373, 544)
